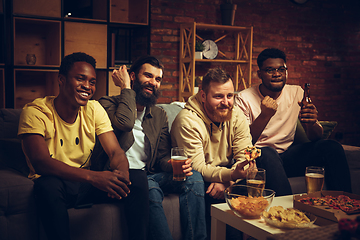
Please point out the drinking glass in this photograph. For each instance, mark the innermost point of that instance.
(256, 177)
(314, 179)
(178, 158)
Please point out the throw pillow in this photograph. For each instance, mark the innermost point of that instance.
(328, 127)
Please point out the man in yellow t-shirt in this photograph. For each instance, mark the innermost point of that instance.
(58, 136)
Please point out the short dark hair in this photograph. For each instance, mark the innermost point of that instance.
(69, 60)
(217, 75)
(270, 53)
(153, 61)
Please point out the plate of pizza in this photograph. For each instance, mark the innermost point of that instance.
(342, 202)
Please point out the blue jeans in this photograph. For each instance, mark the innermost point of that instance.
(192, 205)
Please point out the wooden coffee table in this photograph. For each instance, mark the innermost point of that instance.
(221, 215)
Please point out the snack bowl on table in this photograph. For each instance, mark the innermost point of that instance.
(244, 205)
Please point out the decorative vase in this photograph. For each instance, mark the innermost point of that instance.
(31, 59)
(198, 55)
(228, 13)
(196, 90)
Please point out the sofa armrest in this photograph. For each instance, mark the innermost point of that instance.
(353, 158)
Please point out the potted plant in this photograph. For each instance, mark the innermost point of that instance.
(228, 12)
(199, 48)
(198, 81)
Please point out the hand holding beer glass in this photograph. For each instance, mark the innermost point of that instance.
(255, 178)
(314, 177)
(178, 158)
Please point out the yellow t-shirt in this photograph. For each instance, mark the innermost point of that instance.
(69, 143)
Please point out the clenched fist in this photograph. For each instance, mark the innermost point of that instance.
(268, 106)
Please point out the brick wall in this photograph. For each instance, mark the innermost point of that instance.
(321, 39)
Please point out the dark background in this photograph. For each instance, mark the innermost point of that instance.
(321, 39)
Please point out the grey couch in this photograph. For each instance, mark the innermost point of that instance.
(18, 218)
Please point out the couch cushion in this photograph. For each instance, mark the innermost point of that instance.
(110, 218)
(171, 207)
(172, 110)
(353, 159)
(328, 127)
(16, 192)
(9, 122)
(300, 134)
(11, 155)
(18, 219)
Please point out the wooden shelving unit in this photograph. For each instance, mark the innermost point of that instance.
(40, 8)
(236, 50)
(77, 39)
(129, 11)
(114, 32)
(34, 83)
(39, 37)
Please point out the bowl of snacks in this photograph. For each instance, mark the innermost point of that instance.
(242, 202)
(289, 218)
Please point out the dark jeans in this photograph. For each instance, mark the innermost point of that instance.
(323, 153)
(231, 233)
(54, 196)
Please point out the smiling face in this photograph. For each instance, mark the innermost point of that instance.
(219, 101)
(147, 84)
(272, 83)
(78, 86)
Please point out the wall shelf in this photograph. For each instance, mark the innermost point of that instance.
(235, 48)
(77, 39)
(43, 8)
(129, 11)
(31, 84)
(39, 37)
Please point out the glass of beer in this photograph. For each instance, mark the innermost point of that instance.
(255, 177)
(178, 158)
(314, 178)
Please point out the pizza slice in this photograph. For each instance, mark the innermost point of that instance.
(251, 153)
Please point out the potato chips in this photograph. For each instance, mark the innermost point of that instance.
(249, 206)
(289, 215)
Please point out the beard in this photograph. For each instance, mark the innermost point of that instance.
(217, 115)
(144, 98)
(274, 88)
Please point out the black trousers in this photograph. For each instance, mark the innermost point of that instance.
(231, 233)
(54, 196)
(323, 153)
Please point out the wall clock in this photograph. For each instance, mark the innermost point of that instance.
(211, 49)
(300, 1)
